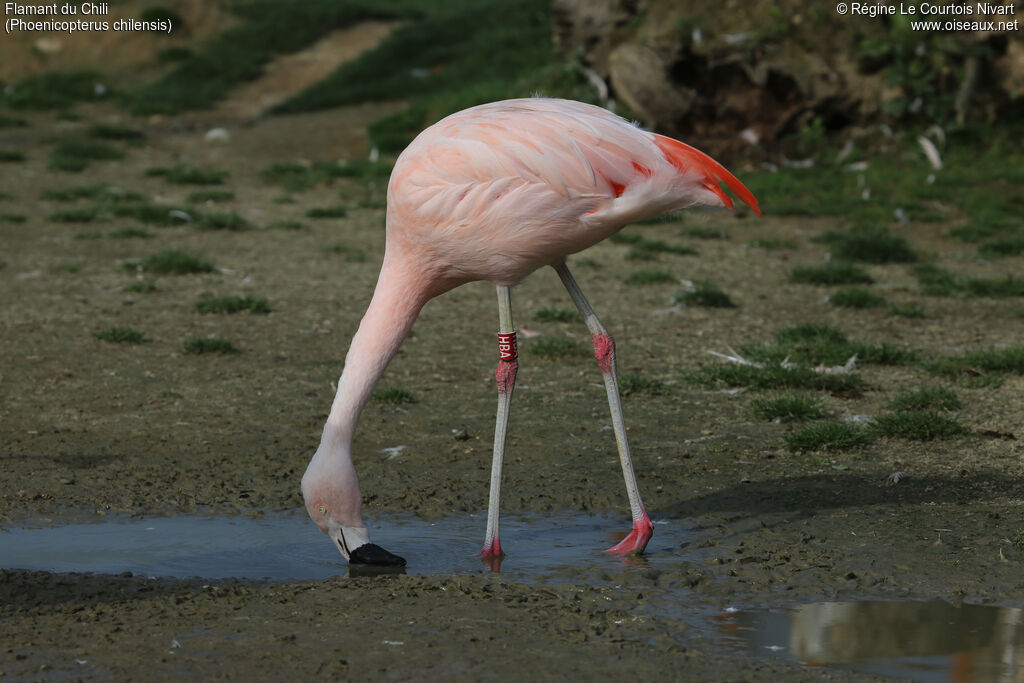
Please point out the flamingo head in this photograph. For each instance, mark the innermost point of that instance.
(333, 501)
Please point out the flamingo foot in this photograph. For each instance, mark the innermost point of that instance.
(637, 539)
(491, 556)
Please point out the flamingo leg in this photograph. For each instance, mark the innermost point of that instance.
(604, 351)
(505, 378)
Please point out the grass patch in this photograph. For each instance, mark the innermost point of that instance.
(830, 274)
(266, 28)
(446, 57)
(650, 277)
(10, 156)
(556, 315)
(631, 383)
(228, 220)
(985, 367)
(288, 225)
(775, 377)
(769, 244)
(936, 281)
(53, 90)
(706, 294)
(12, 122)
(304, 175)
(553, 348)
(1011, 246)
(13, 218)
(212, 344)
(175, 262)
(99, 193)
(644, 249)
(189, 175)
(119, 133)
(929, 398)
(393, 396)
(327, 212)
(211, 196)
(827, 436)
(705, 233)
(812, 344)
(151, 214)
(788, 408)
(76, 215)
(120, 335)
(143, 287)
(856, 297)
(918, 425)
(912, 310)
(233, 304)
(88, 235)
(870, 244)
(351, 254)
(74, 155)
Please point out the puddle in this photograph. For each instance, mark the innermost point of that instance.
(292, 548)
(923, 641)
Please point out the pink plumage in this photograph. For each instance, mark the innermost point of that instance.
(499, 190)
(493, 193)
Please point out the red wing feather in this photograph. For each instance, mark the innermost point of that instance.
(686, 158)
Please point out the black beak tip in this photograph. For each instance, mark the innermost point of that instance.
(373, 554)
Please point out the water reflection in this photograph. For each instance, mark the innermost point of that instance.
(927, 641)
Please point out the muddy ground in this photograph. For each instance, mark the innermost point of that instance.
(92, 429)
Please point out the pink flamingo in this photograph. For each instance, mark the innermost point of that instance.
(493, 193)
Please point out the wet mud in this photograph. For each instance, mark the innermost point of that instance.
(91, 430)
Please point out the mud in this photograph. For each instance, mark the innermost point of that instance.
(92, 429)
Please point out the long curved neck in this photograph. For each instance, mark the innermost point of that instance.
(397, 300)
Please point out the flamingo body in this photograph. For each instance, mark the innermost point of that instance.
(493, 193)
(499, 190)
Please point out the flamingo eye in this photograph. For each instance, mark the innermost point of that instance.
(323, 510)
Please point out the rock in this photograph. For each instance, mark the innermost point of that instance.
(639, 76)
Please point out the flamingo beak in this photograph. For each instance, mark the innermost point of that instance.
(364, 553)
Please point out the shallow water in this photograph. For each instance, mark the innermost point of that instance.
(926, 641)
(292, 548)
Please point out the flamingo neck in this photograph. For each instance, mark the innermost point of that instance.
(397, 301)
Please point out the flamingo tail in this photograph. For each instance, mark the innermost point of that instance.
(687, 159)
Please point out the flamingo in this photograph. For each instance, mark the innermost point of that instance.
(493, 193)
